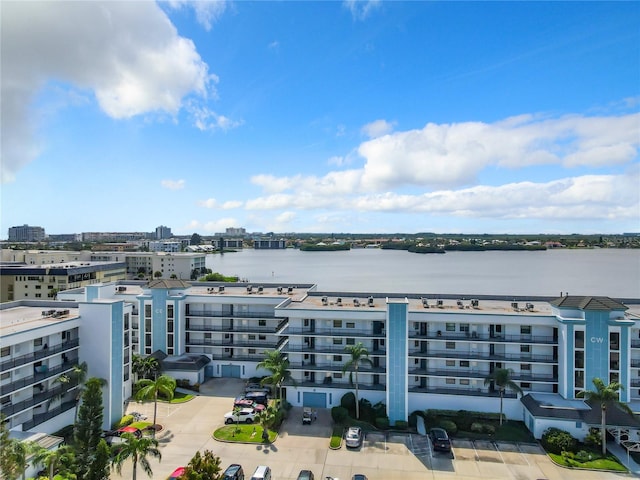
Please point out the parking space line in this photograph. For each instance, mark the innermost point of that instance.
(495, 445)
(475, 450)
(522, 454)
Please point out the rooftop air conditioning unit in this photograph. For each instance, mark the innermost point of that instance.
(425, 302)
(370, 301)
(221, 289)
(514, 305)
(339, 301)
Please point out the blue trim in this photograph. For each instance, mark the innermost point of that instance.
(397, 362)
(117, 362)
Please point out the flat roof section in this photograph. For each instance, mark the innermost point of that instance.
(24, 318)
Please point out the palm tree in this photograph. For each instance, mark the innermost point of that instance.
(57, 460)
(13, 457)
(276, 363)
(145, 367)
(136, 449)
(359, 355)
(266, 418)
(150, 389)
(79, 376)
(606, 395)
(501, 379)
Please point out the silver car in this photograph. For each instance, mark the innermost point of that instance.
(353, 437)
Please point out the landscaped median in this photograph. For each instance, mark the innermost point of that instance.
(243, 433)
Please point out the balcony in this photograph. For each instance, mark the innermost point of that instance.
(276, 343)
(514, 357)
(43, 417)
(475, 392)
(59, 389)
(237, 329)
(472, 373)
(635, 343)
(483, 337)
(40, 354)
(340, 385)
(333, 367)
(239, 315)
(38, 377)
(334, 332)
(328, 349)
(635, 362)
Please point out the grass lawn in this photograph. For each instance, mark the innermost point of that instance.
(242, 433)
(609, 463)
(336, 437)
(140, 425)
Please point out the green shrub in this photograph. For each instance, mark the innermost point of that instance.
(593, 438)
(339, 414)
(382, 423)
(413, 419)
(366, 410)
(348, 401)
(402, 424)
(477, 427)
(583, 456)
(488, 428)
(556, 441)
(463, 420)
(448, 425)
(380, 409)
(124, 421)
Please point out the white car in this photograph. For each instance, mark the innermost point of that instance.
(245, 415)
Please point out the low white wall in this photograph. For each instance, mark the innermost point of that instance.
(512, 407)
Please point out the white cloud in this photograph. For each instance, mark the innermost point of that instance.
(273, 45)
(207, 11)
(206, 119)
(128, 54)
(213, 203)
(361, 9)
(173, 184)
(377, 128)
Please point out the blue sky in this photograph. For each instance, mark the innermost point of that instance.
(358, 117)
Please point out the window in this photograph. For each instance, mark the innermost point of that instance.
(525, 329)
(252, 337)
(464, 327)
(464, 363)
(147, 310)
(579, 339)
(416, 343)
(525, 385)
(525, 367)
(262, 337)
(252, 350)
(337, 358)
(450, 363)
(451, 345)
(5, 375)
(262, 322)
(464, 381)
(451, 381)
(351, 341)
(126, 323)
(305, 322)
(351, 325)
(337, 375)
(337, 341)
(579, 357)
(337, 324)
(37, 342)
(169, 311)
(450, 327)
(5, 351)
(614, 341)
(525, 348)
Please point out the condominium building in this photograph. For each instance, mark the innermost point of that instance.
(26, 233)
(45, 281)
(163, 232)
(182, 265)
(434, 352)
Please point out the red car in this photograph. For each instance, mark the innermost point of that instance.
(177, 473)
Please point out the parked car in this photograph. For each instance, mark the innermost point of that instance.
(258, 397)
(440, 439)
(353, 437)
(256, 387)
(307, 416)
(262, 473)
(243, 402)
(233, 472)
(305, 475)
(359, 476)
(177, 473)
(245, 415)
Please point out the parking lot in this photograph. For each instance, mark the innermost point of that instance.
(188, 428)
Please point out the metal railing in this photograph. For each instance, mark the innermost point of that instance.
(59, 389)
(236, 329)
(202, 313)
(515, 357)
(335, 350)
(462, 391)
(37, 355)
(334, 332)
(334, 367)
(43, 417)
(483, 337)
(333, 384)
(38, 377)
(471, 373)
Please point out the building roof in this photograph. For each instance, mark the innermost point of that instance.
(168, 283)
(549, 405)
(588, 303)
(186, 361)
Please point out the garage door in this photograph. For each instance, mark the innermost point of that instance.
(313, 399)
(231, 371)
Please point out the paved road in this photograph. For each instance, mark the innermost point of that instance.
(188, 428)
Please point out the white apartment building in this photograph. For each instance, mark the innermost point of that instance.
(182, 265)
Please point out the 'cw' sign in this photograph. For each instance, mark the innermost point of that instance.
(597, 339)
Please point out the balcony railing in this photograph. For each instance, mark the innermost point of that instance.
(202, 313)
(334, 384)
(236, 329)
(635, 362)
(38, 377)
(471, 373)
(59, 389)
(35, 356)
(635, 343)
(335, 350)
(333, 367)
(236, 343)
(461, 391)
(43, 417)
(483, 337)
(515, 357)
(334, 332)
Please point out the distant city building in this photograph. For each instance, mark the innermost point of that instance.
(64, 237)
(22, 282)
(269, 243)
(235, 232)
(224, 242)
(115, 247)
(182, 265)
(163, 232)
(115, 236)
(43, 257)
(26, 233)
(159, 246)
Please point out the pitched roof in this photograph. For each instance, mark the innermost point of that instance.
(588, 303)
(186, 361)
(589, 414)
(168, 283)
